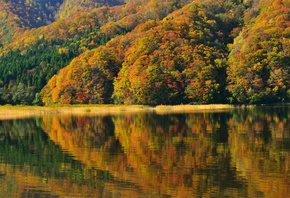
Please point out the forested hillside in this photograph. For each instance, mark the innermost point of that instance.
(69, 8)
(16, 16)
(259, 63)
(148, 52)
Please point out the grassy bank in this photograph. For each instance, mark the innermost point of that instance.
(8, 109)
(13, 110)
(193, 107)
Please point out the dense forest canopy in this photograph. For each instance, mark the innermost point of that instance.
(144, 51)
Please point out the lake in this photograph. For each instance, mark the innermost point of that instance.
(231, 153)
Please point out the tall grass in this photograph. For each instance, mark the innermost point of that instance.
(36, 110)
(17, 112)
(9, 109)
(193, 107)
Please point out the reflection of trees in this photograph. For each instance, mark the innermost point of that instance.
(176, 154)
(88, 139)
(30, 158)
(92, 142)
(241, 153)
(259, 144)
(19, 127)
(84, 132)
(23, 142)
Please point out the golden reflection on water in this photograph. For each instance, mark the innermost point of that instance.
(259, 146)
(239, 153)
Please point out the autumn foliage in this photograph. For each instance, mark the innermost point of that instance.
(259, 61)
(153, 52)
(174, 60)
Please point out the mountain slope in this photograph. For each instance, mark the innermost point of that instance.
(259, 63)
(69, 8)
(147, 52)
(17, 16)
(40, 53)
(178, 59)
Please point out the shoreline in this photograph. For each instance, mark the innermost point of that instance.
(45, 110)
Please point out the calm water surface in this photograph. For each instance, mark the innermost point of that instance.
(236, 153)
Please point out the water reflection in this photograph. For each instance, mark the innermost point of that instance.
(259, 144)
(239, 153)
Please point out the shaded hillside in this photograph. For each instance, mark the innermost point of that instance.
(16, 16)
(19, 15)
(69, 8)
